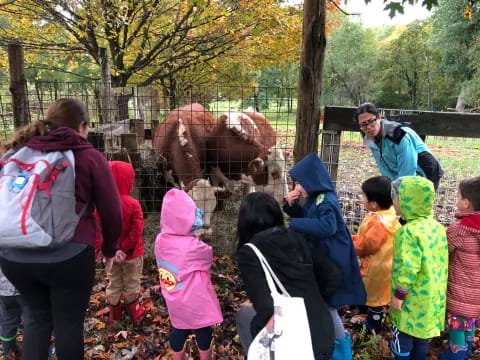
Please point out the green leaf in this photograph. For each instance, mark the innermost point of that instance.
(394, 7)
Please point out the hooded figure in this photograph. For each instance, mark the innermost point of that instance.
(124, 277)
(320, 220)
(375, 247)
(131, 241)
(184, 263)
(420, 261)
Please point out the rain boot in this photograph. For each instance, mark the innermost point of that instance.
(458, 353)
(343, 348)
(207, 354)
(180, 355)
(116, 313)
(137, 311)
(469, 340)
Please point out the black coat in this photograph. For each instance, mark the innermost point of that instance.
(305, 272)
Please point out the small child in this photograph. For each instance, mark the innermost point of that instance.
(320, 220)
(125, 273)
(184, 263)
(10, 316)
(463, 294)
(374, 245)
(419, 271)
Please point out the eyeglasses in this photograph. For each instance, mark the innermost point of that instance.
(365, 124)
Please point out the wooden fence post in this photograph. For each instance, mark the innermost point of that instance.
(18, 85)
(330, 152)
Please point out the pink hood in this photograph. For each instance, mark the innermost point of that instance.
(184, 263)
(178, 213)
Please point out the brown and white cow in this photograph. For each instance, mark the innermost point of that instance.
(180, 141)
(241, 150)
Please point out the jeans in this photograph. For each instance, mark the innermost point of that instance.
(56, 297)
(10, 317)
(406, 346)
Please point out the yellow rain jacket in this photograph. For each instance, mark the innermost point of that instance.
(374, 245)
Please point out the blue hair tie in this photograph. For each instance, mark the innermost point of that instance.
(198, 223)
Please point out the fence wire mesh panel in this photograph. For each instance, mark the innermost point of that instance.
(215, 142)
(459, 157)
(6, 113)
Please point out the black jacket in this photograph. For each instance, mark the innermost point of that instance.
(305, 272)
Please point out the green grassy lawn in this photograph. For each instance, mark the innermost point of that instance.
(278, 116)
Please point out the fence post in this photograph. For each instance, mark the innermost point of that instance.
(18, 85)
(105, 88)
(330, 152)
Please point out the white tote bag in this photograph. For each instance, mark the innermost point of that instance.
(286, 336)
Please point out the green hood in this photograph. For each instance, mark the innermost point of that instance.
(416, 197)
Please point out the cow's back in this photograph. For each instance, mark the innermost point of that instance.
(180, 140)
(268, 136)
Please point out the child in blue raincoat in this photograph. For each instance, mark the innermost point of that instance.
(315, 212)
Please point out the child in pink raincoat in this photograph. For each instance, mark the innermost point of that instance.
(184, 263)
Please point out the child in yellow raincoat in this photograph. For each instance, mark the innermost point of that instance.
(374, 245)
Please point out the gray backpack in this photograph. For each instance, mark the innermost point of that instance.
(37, 199)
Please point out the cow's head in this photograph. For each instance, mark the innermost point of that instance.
(275, 167)
(203, 194)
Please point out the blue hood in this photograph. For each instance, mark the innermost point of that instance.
(312, 174)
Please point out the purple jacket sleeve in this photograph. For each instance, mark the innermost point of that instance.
(107, 202)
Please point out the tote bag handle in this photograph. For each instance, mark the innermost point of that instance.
(272, 279)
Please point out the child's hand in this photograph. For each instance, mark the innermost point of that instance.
(120, 256)
(397, 303)
(292, 196)
(108, 264)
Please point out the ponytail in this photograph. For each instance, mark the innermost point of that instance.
(23, 135)
(63, 112)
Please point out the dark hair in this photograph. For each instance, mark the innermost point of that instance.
(470, 190)
(63, 112)
(258, 212)
(379, 189)
(366, 108)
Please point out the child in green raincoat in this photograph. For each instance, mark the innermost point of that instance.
(419, 272)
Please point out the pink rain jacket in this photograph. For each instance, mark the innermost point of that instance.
(184, 264)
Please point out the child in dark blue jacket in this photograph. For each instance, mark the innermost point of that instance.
(320, 220)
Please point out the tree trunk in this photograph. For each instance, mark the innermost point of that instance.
(310, 80)
(18, 85)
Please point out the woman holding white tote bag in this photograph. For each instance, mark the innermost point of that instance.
(299, 274)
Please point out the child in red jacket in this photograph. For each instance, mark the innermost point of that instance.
(124, 276)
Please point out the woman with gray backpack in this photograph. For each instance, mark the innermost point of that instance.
(51, 179)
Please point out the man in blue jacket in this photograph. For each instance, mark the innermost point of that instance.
(397, 149)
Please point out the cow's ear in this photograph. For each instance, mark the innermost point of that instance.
(256, 166)
(190, 185)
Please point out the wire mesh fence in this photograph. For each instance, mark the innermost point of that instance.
(234, 141)
(459, 157)
(216, 142)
